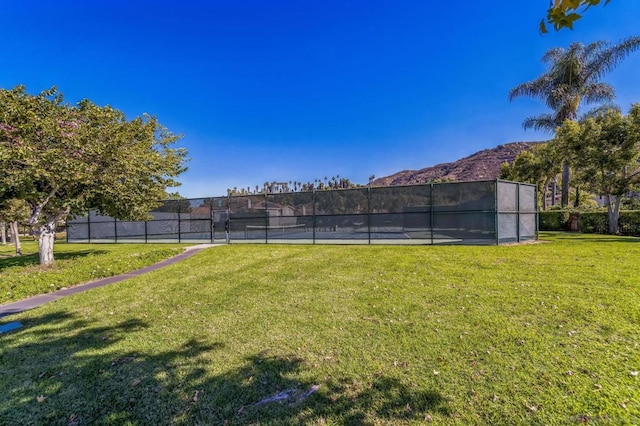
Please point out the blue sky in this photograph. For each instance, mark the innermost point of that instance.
(298, 90)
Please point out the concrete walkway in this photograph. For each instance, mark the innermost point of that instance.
(34, 302)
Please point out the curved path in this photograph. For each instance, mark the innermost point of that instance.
(33, 302)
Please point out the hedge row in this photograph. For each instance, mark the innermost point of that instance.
(590, 222)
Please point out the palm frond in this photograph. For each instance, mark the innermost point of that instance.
(537, 88)
(564, 99)
(544, 122)
(553, 55)
(606, 60)
(573, 77)
(575, 51)
(599, 111)
(598, 92)
(595, 47)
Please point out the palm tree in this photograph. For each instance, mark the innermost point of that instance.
(573, 77)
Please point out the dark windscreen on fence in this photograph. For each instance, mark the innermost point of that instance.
(465, 212)
(482, 212)
(528, 216)
(248, 218)
(195, 219)
(342, 215)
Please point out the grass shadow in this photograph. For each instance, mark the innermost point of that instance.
(596, 238)
(34, 259)
(240, 396)
(612, 239)
(65, 369)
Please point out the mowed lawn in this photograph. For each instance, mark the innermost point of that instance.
(22, 276)
(543, 333)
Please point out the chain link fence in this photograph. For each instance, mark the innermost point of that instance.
(480, 212)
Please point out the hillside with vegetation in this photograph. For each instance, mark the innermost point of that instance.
(482, 165)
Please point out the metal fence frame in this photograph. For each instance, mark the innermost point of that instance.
(512, 216)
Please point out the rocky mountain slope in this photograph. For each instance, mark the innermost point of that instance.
(482, 165)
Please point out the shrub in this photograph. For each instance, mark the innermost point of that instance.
(553, 220)
(629, 223)
(592, 222)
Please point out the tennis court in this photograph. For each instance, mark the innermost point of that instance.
(481, 212)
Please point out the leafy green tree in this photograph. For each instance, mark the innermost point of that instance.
(563, 13)
(64, 159)
(572, 78)
(606, 151)
(173, 196)
(540, 165)
(632, 203)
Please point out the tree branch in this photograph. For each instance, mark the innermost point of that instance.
(37, 210)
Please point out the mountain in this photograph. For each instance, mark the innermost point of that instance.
(483, 165)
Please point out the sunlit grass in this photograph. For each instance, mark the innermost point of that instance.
(22, 276)
(534, 334)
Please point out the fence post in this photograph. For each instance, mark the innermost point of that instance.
(266, 219)
(496, 206)
(89, 226)
(518, 212)
(211, 222)
(431, 212)
(369, 213)
(179, 227)
(227, 220)
(537, 212)
(313, 199)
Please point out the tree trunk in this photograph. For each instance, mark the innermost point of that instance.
(613, 213)
(3, 232)
(15, 237)
(566, 175)
(554, 188)
(46, 240)
(576, 203)
(542, 194)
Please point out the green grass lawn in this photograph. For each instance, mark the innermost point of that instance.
(22, 276)
(531, 334)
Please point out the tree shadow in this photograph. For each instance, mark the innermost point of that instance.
(614, 239)
(598, 239)
(34, 259)
(64, 369)
(346, 400)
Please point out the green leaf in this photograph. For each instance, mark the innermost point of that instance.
(543, 27)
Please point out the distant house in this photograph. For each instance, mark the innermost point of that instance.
(280, 215)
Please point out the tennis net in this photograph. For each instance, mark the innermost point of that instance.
(258, 231)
